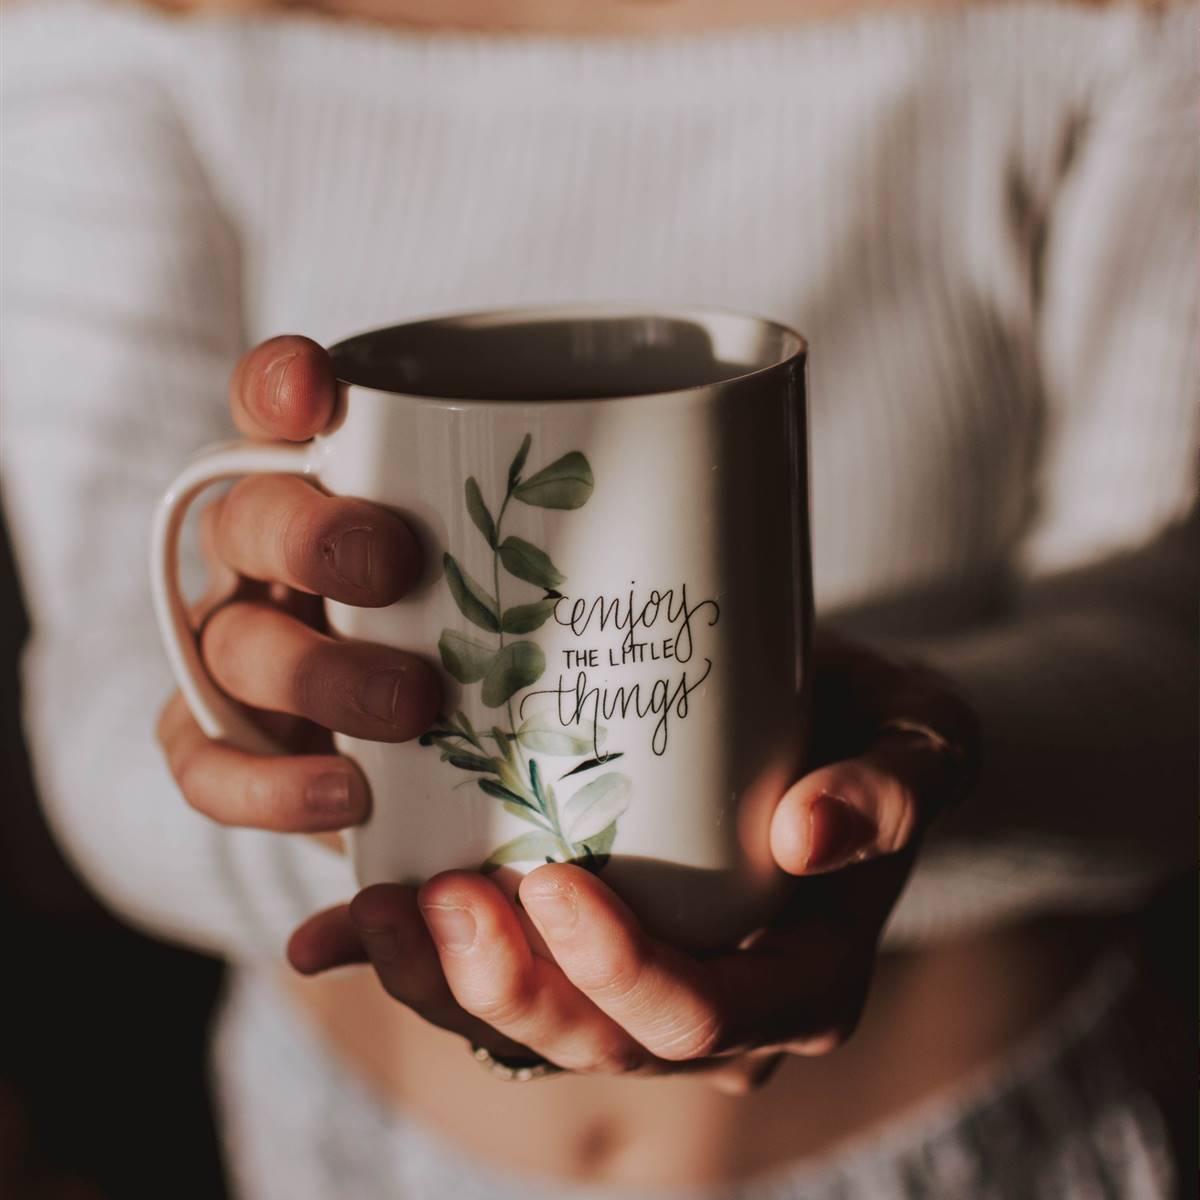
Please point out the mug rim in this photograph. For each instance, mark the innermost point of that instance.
(795, 347)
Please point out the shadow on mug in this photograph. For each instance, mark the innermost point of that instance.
(547, 359)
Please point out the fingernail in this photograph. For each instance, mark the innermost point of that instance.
(277, 373)
(837, 832)
(453, 927)
(351, 553)
(329, 793)
(554, 913)
(381, 694)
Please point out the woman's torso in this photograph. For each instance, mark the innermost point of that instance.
(873, 182)
(934, 1017)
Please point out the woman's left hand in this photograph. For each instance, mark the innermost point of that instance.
(897, 747)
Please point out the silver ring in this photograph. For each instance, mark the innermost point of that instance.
(513, 1070)
(961, 761)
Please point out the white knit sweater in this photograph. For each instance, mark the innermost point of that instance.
(985, 222)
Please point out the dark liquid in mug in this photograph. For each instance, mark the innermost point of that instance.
(537, 360)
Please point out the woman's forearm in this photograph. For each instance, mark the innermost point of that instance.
(1088, 701)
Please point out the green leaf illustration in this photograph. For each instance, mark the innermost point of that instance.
(525, 618)
(544, 733)
(514, 471)
(601, 844)
(479, 512)
(596, 805)
(514, 781)
(465, 658)
(551, 805)
(432, 735)
(565, 483)
(523, 811)
(515, 667)
(470, 762)
(529, 847)
(591, 764)
(535, 781)
(587, 828)
(473, 602)
(464, 723)
(526, 561)
(499, 792)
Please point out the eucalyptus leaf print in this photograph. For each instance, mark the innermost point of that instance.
(545, 733)
(516, 666)
(478, 512)
(499, 792)
(527, 562)
(473, 602)
(518, 462)
(465, 658)
(529, 847)
(597, 805)
(468, 762)
(599, 847)
(500, 762)
(525, 618)
(590, 764)
(565, 483)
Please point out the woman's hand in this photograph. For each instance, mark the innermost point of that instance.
(275, 544)
(897, 747)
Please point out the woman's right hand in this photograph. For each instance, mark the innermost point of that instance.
(275, 544)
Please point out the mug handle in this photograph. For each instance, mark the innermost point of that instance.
(215, 713)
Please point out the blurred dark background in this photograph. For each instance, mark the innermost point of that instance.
(103, 1084)
(103, 1079)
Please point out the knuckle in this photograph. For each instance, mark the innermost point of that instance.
(614, 977)
(315, 687)
(266, 798)
(505, 1006)
(699, 1038)
(615, 1060)
(299, 537)
(231, 515)
(218, 638)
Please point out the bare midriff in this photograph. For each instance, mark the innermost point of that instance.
(934, 1017)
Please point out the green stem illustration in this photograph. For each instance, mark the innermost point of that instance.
(584, 829)
(512, 724)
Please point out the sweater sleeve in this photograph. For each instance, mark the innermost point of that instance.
(121, 307)
(1088, 689)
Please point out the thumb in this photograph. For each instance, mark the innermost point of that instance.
(859, 808)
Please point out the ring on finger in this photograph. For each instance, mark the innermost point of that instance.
(514, 1070)
(961, 761)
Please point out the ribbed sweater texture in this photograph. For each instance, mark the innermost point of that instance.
(984, 221)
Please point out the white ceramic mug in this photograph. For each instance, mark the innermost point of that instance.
(613, 511)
